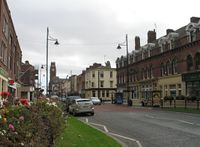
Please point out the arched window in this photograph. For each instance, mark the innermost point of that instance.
(150, 72)
(189, 63)
(174, 66)
(168, 68)
(162, 69)
(197, 61)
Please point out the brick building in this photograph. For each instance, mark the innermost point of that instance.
(167, 66)
(10, 52)
(27, 80)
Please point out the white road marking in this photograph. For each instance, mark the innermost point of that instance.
(149, 116)
(186, 122)
(106, 130)
(128, 138)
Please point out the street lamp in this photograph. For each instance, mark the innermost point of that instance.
(49, 38)
(127, 72)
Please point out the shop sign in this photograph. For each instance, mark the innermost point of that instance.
(191, 76)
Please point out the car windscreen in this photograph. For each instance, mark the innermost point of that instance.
(84, 102)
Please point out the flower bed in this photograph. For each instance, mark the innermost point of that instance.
(37, 124)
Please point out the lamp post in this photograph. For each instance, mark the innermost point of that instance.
(49, 38)
(127, 68)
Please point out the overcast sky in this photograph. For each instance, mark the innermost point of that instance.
(89, 30)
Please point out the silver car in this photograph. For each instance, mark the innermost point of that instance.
(95, 100)
(81, 106)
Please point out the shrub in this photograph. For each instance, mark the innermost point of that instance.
(36, 125)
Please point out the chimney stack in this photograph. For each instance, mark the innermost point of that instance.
(194, 19)
(137, 42)
(151, 36)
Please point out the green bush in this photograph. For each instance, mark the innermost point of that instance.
(36, 125)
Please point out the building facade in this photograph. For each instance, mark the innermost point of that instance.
(167, 66)
(27, 80)
(100, 81)
(10, 53)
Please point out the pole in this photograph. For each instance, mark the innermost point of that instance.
(47, 43)
(127, 72)
(98, 85)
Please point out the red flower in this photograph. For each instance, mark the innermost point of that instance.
(5, 93)
(24, 101)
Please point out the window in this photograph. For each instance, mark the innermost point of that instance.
(162, 69)
(189, 63)
(107, 93)
(168, 68)
(93, 74)
(103, 93)
(174, 66)
(111, 84)
(5, 28)
(197, 61)
(111, 74)
(93, 94)
(150, 72)
(102, 84)
(101, 74)
(92, 84)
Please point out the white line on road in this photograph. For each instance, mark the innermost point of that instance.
(186, 122)
(149, 116)
(128, 138)
(106, 130)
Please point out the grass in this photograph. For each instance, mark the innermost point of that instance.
(187, 110)
(78, 134)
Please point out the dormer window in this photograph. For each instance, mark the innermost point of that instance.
(191, 31)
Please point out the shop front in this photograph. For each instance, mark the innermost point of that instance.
(192, 83)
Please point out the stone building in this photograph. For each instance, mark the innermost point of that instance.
(167, 66)
(100, 81)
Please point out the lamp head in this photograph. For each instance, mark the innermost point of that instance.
(119, 47)
(56, 43)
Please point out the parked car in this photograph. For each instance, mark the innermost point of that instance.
(96, 101)
(69, 100)
(81, 106)
(54, 97)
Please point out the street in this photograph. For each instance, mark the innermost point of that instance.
(147, 127)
